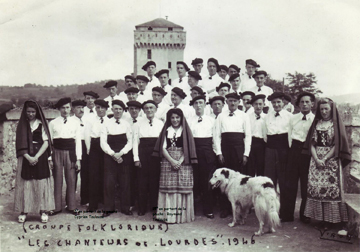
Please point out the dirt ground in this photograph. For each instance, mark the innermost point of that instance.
(117, 232)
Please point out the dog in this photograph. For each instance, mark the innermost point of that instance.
(245, 192)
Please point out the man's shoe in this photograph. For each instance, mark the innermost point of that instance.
(210, 216)
(52, 212)
(127, 212)
(74, 212)
(305, 219)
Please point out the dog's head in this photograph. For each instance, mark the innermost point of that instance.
(220, 178)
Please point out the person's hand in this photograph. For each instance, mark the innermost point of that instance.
(221, 159)
(32, 160)
(138, 164)
(319, 162)
(51, 164)
(78, 166)
(174, 164)
(116, 156)
(245, 159)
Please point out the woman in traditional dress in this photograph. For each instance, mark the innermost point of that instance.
(327, 144)
(34, 188)
(176, 147)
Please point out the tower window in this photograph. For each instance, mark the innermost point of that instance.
(150, 28)
(149, 53)
(170, 29)
(169, 65)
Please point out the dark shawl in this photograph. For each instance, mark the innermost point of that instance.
(342, 150)
(24, 141)
(188, 142)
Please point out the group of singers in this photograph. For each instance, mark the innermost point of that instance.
(158, 143)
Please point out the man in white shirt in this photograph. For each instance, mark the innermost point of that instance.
(93, 131)
(247, 81)
(235, 82)
(89, 109)
(193, 81)
(202, 127)
(258, 131)
(150, 68)
(163, 76)
(158, 95)
(144, 93)
(66, 135)
(233, 69)
(277, 124)
(246, 97)
(197, 64)
(130, 81)
(181, 69)
(217, 105)
(111, 87)
(212, 80)
(223, 89)
(177, 96)
(146, 133)
(116, 141)
(223, 72)
(260, 88)
(298, 163)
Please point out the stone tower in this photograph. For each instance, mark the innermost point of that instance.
(161, 41)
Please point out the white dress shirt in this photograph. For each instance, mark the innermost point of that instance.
(35, 125)
(209, 85)
(144, 96)
(161, 111)
(258, 128)
(154, 82)
(113, 128)
(82, 122)
(238, 123)
(109, 99)
(93, 130)
(186, 109)
(202, 127)
(143, 129)
(265, 90)
(180, 83)
(299, 128)
(278, 125)
(167, 97)
(71, 129)
(247, 83)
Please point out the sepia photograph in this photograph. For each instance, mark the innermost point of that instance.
(179, 125)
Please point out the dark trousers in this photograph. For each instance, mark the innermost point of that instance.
(256, 162)
(297, 168)
(148, 176)
(115, 173)
(96, 174)
(84, 175)
(275, 169)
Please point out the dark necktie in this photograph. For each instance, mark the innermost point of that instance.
(259, 89)
(231, 114)
(249, 77)
(210, 78)
(141, 92)
(81, 123)
(101, 120)
(134, 120)
(150, 122)
(91, 111)
(200, 119)
(117, 121)
(304, 118)
(277, 114)
(180, 80)
(257, 117)
(65, 120)
(150, 79)
(216, 116)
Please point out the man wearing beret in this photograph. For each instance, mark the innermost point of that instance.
(298, 163)
(232, 139)
(195, 92)
(130, 81)
(235, 82)
(150, 68)
(111, 87)
(177, 96)
(197, 64)
(182, 69)
(163, 76)
(258, 131)
(144, 93)
(277, 124)
(158, 95)
(212, 80)
(246, 97)
(202, 127)
(223, 72)
(146, 133)
(217, 105)
(287, 104)
(89, 109)
(193, 81)
(234, 69)
(96, 154)
(66, 135)
(223, 89)
(248, 82)
(116, 139)
(78, 107)
(260, 88)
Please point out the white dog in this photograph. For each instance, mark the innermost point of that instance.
(244, 192)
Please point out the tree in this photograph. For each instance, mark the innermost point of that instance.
(276, 85)
(299, 83)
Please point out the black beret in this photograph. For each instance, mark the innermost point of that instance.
(110, 84)
(78, 103)
(118, 102)
(223, 67)
(257, 97)
(62, 102)
(184, 64)
(179, 92)
(159, 90)
(133, 104)
(223, 84)
(197, 61)
(259, 72)
(248, 93)
(287, 97)
(162, 71)
(143, 78)
(275, 95)
(234, 76)
(198, 89)
(102, 103)
(235, 67)
(148, 101)
(149, 63)
(233, 95)
(312, 97)
(131, 90)
(251, 62)
(195, 75)
(215, 62)
(91, 93)
(216, 98)
(199, 97)
(130, 77)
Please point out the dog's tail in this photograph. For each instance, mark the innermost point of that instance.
(272, 203)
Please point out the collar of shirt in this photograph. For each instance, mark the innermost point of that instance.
(171, 131)
(281, 112)
(308, 116)
(35, 125)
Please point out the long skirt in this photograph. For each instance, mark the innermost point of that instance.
(176, 199)
(325, 193)
(33, 195)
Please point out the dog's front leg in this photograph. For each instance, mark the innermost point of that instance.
(234, 212)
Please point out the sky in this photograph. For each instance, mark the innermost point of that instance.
(54, 42)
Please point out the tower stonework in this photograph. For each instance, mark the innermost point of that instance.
(161, 41)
